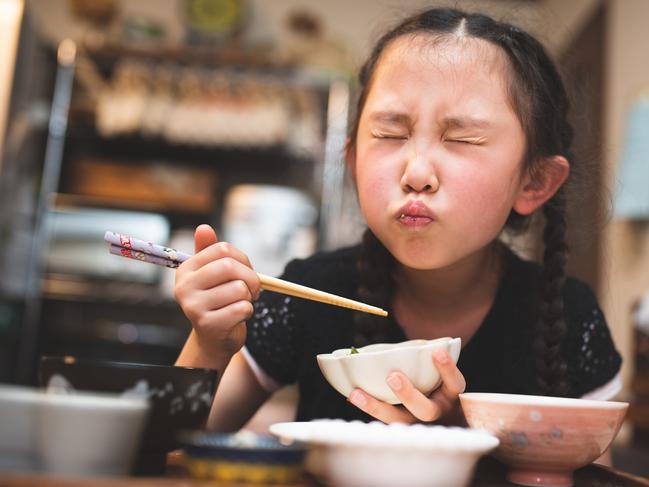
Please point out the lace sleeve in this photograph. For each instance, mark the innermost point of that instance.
(592, 358)
(274, 337)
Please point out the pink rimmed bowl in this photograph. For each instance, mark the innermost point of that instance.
(544, 440)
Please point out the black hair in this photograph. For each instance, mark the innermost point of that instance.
(539, 98)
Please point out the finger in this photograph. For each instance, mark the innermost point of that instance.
(225, 270)
(453, 382)
(420, 406)
(442, 401)
(380, 410)
(204, 236)
(215, 251)
(233, 313)
(222, 296)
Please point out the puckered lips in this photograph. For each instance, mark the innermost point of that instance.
(415, 213)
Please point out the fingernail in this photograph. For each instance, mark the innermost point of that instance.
(441, 356)
(358, 399)
(394, 381)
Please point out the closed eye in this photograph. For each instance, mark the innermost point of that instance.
(389, 136)
(466, 141)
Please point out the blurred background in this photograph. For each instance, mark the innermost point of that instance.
(150, 117)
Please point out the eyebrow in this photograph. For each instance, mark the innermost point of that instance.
(454, 122)
(466, 122)
(390, 117)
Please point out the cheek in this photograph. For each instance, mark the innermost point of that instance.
(375, 179)
(372, 187)
(486, 200)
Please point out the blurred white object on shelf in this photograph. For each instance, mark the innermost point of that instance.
(271, 224)
(76, 244)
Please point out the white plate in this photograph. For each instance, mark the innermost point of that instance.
(356, 454)
(377, 434)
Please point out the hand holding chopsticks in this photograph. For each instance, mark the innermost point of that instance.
(133, 248)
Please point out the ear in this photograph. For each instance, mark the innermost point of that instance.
(350, 157)
(538, 188)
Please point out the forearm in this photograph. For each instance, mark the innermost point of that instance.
(238, 394)
(238, 397)
(194, 355)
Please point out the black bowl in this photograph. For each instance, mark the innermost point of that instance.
(180, 397)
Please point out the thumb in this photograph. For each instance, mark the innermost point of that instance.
(204, 236)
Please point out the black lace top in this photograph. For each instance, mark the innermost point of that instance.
(285, 335)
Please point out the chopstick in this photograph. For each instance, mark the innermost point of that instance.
(134, 248)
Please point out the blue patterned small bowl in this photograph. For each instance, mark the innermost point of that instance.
(241, 457)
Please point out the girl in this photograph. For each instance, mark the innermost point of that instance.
(460, 132)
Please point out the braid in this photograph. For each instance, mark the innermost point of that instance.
(550, 365)
(375, 265)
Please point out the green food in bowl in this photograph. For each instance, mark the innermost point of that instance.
(353, 350)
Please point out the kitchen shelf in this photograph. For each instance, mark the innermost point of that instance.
(68, 313)
(65, 200)
(204, 56)
(77, 289)
(263, 161)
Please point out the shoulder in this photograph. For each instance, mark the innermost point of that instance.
(527, 277)
(588, 347)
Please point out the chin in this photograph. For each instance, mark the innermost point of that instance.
(421, 264)
(420, 256)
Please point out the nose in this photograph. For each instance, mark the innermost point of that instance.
(419, 176)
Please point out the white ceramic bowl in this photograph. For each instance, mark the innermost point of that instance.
(89, 434)
(369, 367)
(356, 454)
(18, 411)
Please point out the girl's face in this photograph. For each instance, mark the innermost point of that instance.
(438, 159)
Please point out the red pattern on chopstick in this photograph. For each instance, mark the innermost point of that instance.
(143, 257)
(130, 243)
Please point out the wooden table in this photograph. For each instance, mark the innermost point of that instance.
(488, 474)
